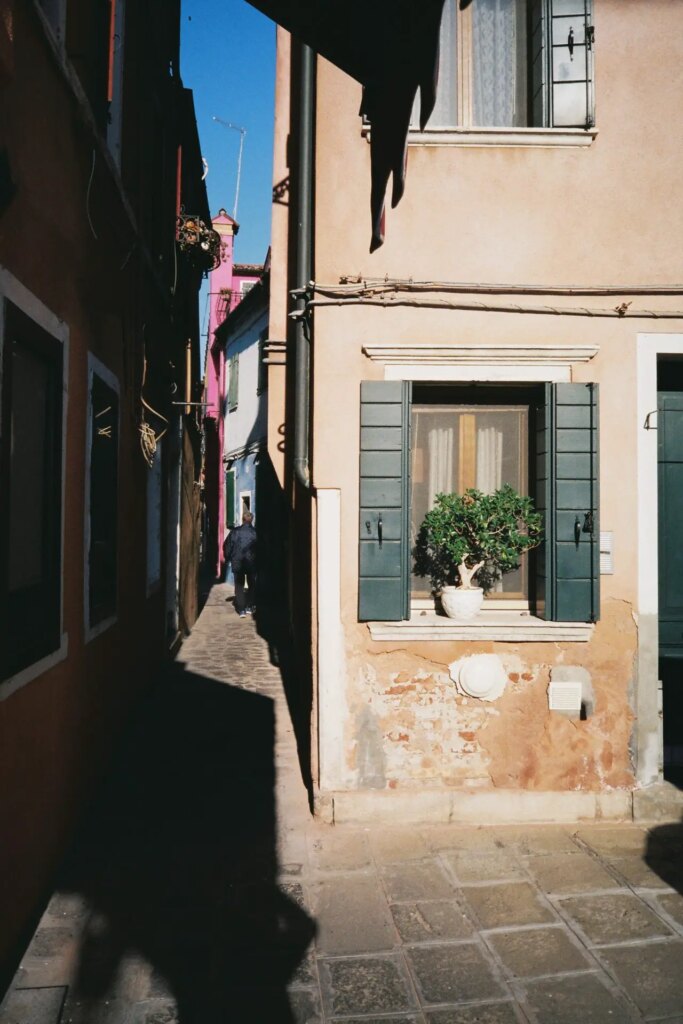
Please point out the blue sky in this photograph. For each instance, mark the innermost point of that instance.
(227, 58)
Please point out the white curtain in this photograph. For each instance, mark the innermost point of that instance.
(440, 448)
(445, 114)
(490, 468)
(495, 60)
(489, 459)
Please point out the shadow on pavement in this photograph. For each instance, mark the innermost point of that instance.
(664, 853)
(272, 627)
(178, 863)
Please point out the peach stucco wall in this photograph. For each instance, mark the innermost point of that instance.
(603, 214)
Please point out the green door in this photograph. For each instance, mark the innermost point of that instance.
(670, 445)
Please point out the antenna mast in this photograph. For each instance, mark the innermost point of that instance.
(243, 132)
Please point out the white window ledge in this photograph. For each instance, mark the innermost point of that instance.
(506, 627)
(545, 137)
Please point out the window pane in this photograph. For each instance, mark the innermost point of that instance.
(563, 26)
(103, 500)
(445, 114)
(456, 447)
(27, 509)
(499, 60)
(31, 482)
(572, 7)
(569, 105)
(566, 69)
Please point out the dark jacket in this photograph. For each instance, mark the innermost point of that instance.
(240, 546)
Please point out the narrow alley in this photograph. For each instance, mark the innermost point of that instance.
(202, 892)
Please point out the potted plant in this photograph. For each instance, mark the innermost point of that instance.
(474, 535)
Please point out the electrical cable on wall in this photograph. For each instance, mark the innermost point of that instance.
(149, 439)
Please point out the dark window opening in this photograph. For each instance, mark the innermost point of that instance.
(102, 556)
(31, 488)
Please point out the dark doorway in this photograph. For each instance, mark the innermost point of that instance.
(670, 504)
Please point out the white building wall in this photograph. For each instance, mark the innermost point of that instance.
(247, 424)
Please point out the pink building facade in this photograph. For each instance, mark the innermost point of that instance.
(228, 283)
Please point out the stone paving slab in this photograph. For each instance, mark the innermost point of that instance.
(352, 916)
(510, 903)
(578, 999)
(619, 918)
(417, 880)
(366, 985)
(569, 873)
(533, 952)
(427, 922)
(227, 901)
(651, 974)
(491, 1013)
(453, 973)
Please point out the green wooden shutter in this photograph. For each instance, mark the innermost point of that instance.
(568, 563)
(383, 592)
(562, 81)
(230, 499)
(670, 445)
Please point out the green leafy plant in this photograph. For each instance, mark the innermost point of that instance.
(476, 534)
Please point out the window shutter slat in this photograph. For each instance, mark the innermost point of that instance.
(567, 566)
(384, 495)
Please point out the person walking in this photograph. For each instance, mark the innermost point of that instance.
(240, 551)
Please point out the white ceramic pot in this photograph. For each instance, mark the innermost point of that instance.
(462, 605)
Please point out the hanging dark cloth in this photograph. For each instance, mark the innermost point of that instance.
(392, 48)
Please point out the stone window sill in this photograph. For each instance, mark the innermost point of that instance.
(502, 626)
(485, 137)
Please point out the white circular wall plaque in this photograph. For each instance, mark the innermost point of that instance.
(481, 675)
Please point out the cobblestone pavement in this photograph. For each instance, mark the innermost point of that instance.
(201, 891)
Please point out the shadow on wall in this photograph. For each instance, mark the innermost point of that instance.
(664, 854)
(274, 619)
(178, 866)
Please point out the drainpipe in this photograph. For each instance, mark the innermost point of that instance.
(304, 239)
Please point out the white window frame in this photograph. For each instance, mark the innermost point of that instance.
(95, 366)
(486, 363)
(15, 292)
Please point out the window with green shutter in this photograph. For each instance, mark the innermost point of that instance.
(233, 381)
(541, 440)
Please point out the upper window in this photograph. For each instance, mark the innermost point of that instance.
(31, 489)
(233, 381)
(515, 64)
(103, 500)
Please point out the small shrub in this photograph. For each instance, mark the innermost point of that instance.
(476, 534)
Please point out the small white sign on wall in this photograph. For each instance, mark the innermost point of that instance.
(606, 553)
